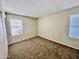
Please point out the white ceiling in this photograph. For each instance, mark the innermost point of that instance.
(38, 8)
(0, 5)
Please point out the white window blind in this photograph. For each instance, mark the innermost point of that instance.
(16, 27)
(74, 26)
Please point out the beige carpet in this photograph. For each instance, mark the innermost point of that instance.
(39, 48)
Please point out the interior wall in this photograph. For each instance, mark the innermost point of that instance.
(55, 27)
(0, 5)
(3, 39)
(29, 28)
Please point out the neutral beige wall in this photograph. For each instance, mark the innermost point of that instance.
(29, 28)
(55, 27)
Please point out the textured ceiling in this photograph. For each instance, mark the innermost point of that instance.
(38, 8)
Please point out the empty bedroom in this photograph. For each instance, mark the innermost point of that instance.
(39, 29)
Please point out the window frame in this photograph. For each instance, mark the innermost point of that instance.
(16, 28)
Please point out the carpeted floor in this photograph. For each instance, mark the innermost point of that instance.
(39, 48)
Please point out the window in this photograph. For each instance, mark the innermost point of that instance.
(16, 27)
(74, 26)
